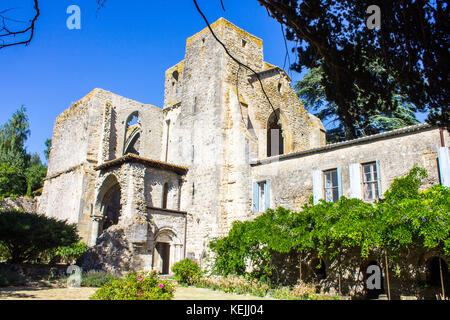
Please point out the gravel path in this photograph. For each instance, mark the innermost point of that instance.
(181, 293)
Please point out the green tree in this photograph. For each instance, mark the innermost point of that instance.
(25, 235)
(48, 145)
(312, 93)
(35, 174)
(13, 136)
(408, 55)
(17, 167)
(13, 182)
(406, 217)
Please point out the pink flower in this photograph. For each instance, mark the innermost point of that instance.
(161, 285)
(171, 290)
(140, 292)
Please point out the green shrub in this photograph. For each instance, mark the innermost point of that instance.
(25, 235)
(186, 271)
(12, 278)
(97, 279)
(63, 254)
(235, 284)
(134, 286)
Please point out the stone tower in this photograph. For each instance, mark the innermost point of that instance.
(216, 117)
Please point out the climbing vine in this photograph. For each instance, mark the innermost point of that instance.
(405, 217)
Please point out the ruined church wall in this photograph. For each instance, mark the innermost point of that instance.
(291, 178)
(70, 137)
(196, 139)
(61, 196)
(154, 181)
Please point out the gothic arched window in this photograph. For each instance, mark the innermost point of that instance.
(132, 134)
(275, 141)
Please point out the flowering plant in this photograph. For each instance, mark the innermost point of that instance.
(135, 286)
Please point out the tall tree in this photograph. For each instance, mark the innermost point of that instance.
(20, 172)
(312, 93)
(13, 135)
(35, 174)
(408, 55)
(48, 145)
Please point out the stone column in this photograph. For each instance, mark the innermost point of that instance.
(104, 154)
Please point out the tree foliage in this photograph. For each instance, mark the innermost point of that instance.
(408, 55)
(312, 93)
(26, 235)
(20, 172)
(406, 217)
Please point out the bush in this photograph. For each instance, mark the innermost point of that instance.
(12, 276)
(135, 287)
(68, 254)
(235, 284)
(186, 271)
(25, 235)
(97, 278)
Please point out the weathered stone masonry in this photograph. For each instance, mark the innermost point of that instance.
(149, 186)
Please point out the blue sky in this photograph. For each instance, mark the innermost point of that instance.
(124, 49)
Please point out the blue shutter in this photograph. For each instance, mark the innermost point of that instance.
(317, 185)
(378, 179)
(339, 177)
(354, 170)
(255, 196)
(444, 166)
(267, 195)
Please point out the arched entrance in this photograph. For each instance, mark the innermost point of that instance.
(167, 251)
(111, 208)
(108, 206)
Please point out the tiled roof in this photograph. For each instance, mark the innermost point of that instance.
(408, 129)
(145, 161)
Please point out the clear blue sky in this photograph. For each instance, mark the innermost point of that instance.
(125, 49)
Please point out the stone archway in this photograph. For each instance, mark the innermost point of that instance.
(108, 206)
(167, 251)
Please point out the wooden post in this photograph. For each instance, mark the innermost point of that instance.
(442, 278)
(387, 274)
(300, 266)
(340, 271)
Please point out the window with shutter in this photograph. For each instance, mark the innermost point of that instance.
(370, 181)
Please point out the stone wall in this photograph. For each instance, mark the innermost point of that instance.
(21, 203)
(291, 176)
(208, 127)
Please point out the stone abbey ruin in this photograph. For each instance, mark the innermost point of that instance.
(149, 186)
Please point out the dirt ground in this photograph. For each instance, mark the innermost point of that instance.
(39, 293)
